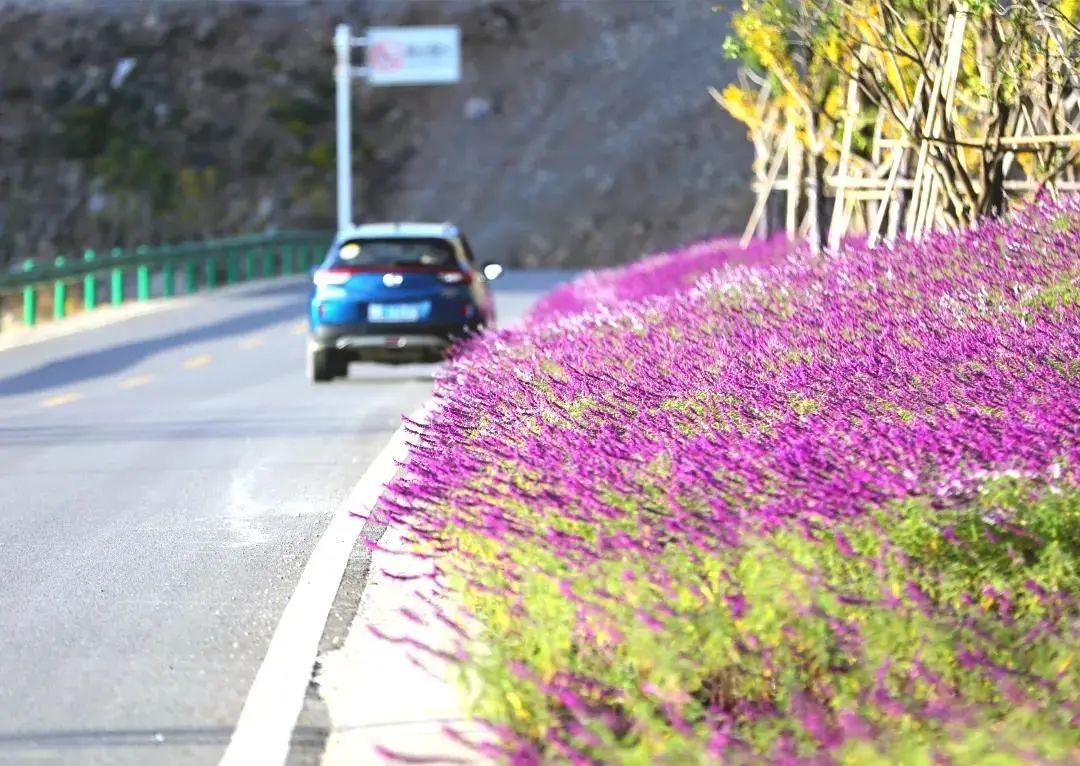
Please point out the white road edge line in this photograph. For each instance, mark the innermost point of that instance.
(264, 730)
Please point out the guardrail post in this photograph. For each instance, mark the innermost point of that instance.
(142, 275)
(267, 261)
(230, 267)
(168, 279)
(59, 299)
(284, 257)
(249, 263)
(192, 274)
(117, 296)
(143, 283)
(89, 284)
(29, 296)
(29, 302)
(59, 290)
(211, 272)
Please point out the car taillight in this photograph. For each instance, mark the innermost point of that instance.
(454, 277)
(326, 277)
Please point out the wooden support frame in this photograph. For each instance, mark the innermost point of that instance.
(895, 185)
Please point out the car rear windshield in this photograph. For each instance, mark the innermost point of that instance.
(434, 253)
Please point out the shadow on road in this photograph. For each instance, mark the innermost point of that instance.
(286, 286)
(111, 738)
(174, 430)
(107, 361)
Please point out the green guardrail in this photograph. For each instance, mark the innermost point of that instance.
(187, 267)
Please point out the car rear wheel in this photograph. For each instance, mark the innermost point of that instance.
(324, 364)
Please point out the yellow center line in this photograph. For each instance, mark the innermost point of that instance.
(255, 342)
(56, 401)
(198, 361)
(136, 381)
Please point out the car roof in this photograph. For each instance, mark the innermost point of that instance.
(400, 229)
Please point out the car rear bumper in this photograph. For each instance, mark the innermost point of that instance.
(389, 335)
(390, 342)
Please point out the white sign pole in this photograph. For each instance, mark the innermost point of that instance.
(343, 82)
(396, 56)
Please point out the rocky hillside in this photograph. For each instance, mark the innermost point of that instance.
(581, 132)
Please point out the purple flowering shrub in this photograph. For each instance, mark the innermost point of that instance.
(655, 275)
(821, 510)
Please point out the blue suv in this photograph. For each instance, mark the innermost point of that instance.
(395, 293)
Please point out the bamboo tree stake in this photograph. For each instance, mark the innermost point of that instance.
(761, 154)
(927, 123)
(929, 213)
(763, 193)
(794, 168)
(890, 202)
(839, 217)
(923, 145)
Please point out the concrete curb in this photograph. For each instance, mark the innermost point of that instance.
(385, 697)
(388, 696)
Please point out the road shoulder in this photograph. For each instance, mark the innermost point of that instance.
(273, 705)
(390, 694)
(18, 336)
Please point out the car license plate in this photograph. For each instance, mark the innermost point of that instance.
(398, 312)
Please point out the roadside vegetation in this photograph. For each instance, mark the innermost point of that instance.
(821, 508)
(969, 101)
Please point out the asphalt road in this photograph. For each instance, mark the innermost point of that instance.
(162, 483)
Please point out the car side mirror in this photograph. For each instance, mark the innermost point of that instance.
(492, 270)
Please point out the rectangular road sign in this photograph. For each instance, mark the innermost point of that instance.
(413, 55)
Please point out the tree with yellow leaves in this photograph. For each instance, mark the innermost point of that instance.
(956, 80)
(782, 42)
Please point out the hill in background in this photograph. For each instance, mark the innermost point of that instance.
(581, 132)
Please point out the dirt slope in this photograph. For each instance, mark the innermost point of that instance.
(581, 132)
